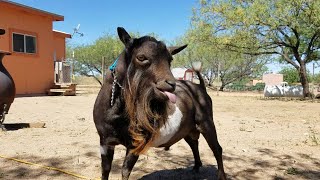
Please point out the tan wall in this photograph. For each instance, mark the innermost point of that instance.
(272, 79)
(31, 73)
(254, 82)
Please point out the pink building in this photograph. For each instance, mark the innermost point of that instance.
(272, 79)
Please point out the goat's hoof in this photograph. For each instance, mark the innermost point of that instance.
(167, 148)
(196, 168)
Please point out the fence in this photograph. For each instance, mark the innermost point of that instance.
(62, 72)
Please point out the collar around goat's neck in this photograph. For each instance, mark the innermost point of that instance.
(113, 66)
(115, 82)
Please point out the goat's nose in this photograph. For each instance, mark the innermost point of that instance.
(171, 83)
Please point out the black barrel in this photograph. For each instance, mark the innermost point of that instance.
(2, 31)
(7, 86)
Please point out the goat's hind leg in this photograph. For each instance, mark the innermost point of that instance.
(194, 145)
(208, 130)
(129, 161)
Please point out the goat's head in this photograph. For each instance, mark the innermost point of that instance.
(148, 86)
(148, 62)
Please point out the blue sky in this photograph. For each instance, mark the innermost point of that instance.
(167, 18)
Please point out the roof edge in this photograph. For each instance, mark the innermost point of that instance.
(67, 35)
(55, 17)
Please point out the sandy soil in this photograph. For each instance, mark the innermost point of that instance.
(261, 138)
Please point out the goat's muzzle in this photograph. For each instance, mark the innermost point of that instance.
(164, 90)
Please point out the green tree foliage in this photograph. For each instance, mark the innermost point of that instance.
(219, 63)
(88, 58)
(290, 75)
(287, 28)
(316, 79)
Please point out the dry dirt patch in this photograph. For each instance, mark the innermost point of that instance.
(262, 139)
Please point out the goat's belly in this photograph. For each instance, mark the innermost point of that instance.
(169, 129)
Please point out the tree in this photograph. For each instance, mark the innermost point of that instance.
(290, 75)
(286, 28)
(218, 63)
(316, 78)
(88, 58)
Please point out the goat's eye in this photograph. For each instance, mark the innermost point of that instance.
(142, 60)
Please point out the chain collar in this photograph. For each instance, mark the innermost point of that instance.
(114, 83)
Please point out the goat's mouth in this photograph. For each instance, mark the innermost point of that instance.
(165, 95)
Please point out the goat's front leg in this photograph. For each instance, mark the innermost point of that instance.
(129, 161)
(107, 152)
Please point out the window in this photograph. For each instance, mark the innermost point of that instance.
(24, 43)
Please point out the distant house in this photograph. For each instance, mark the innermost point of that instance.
(254, 82)
(182, 73)
(34, 46)
(272, 79)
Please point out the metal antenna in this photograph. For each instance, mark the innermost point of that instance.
(76, 31)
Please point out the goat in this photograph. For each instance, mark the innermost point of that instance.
(141, 105)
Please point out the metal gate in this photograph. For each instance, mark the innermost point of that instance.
(62, 72)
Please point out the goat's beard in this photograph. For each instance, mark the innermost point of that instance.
(146, 115)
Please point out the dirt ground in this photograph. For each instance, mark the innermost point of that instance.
(261, 139)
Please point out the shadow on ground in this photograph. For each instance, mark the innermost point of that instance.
(37, 167)
(11, 169)
(206, 172)
(265, 164)
(17, 126)
(277, 166)
(172, 165)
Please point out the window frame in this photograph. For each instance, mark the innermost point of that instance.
(24, 43)
(24, 32)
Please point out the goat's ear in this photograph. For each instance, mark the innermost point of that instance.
(176, 49)
(124, 36)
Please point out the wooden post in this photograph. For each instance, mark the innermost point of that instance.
(72, 70)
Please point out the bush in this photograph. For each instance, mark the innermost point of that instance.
(259, 87)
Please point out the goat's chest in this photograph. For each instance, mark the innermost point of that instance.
(170, 128)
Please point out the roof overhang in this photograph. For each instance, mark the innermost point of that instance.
(61, 34)
(55, 17)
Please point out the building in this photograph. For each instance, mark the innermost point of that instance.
(33, 44)
(272, 79)
(254, 82)
(182, 74)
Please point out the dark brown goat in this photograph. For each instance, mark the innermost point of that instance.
(141, 105)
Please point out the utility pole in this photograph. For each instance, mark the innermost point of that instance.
(102, 68)
(75, 31)
(313, 69)
(72, 73)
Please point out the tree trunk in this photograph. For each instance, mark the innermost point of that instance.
(304, 80)
(222, 87)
